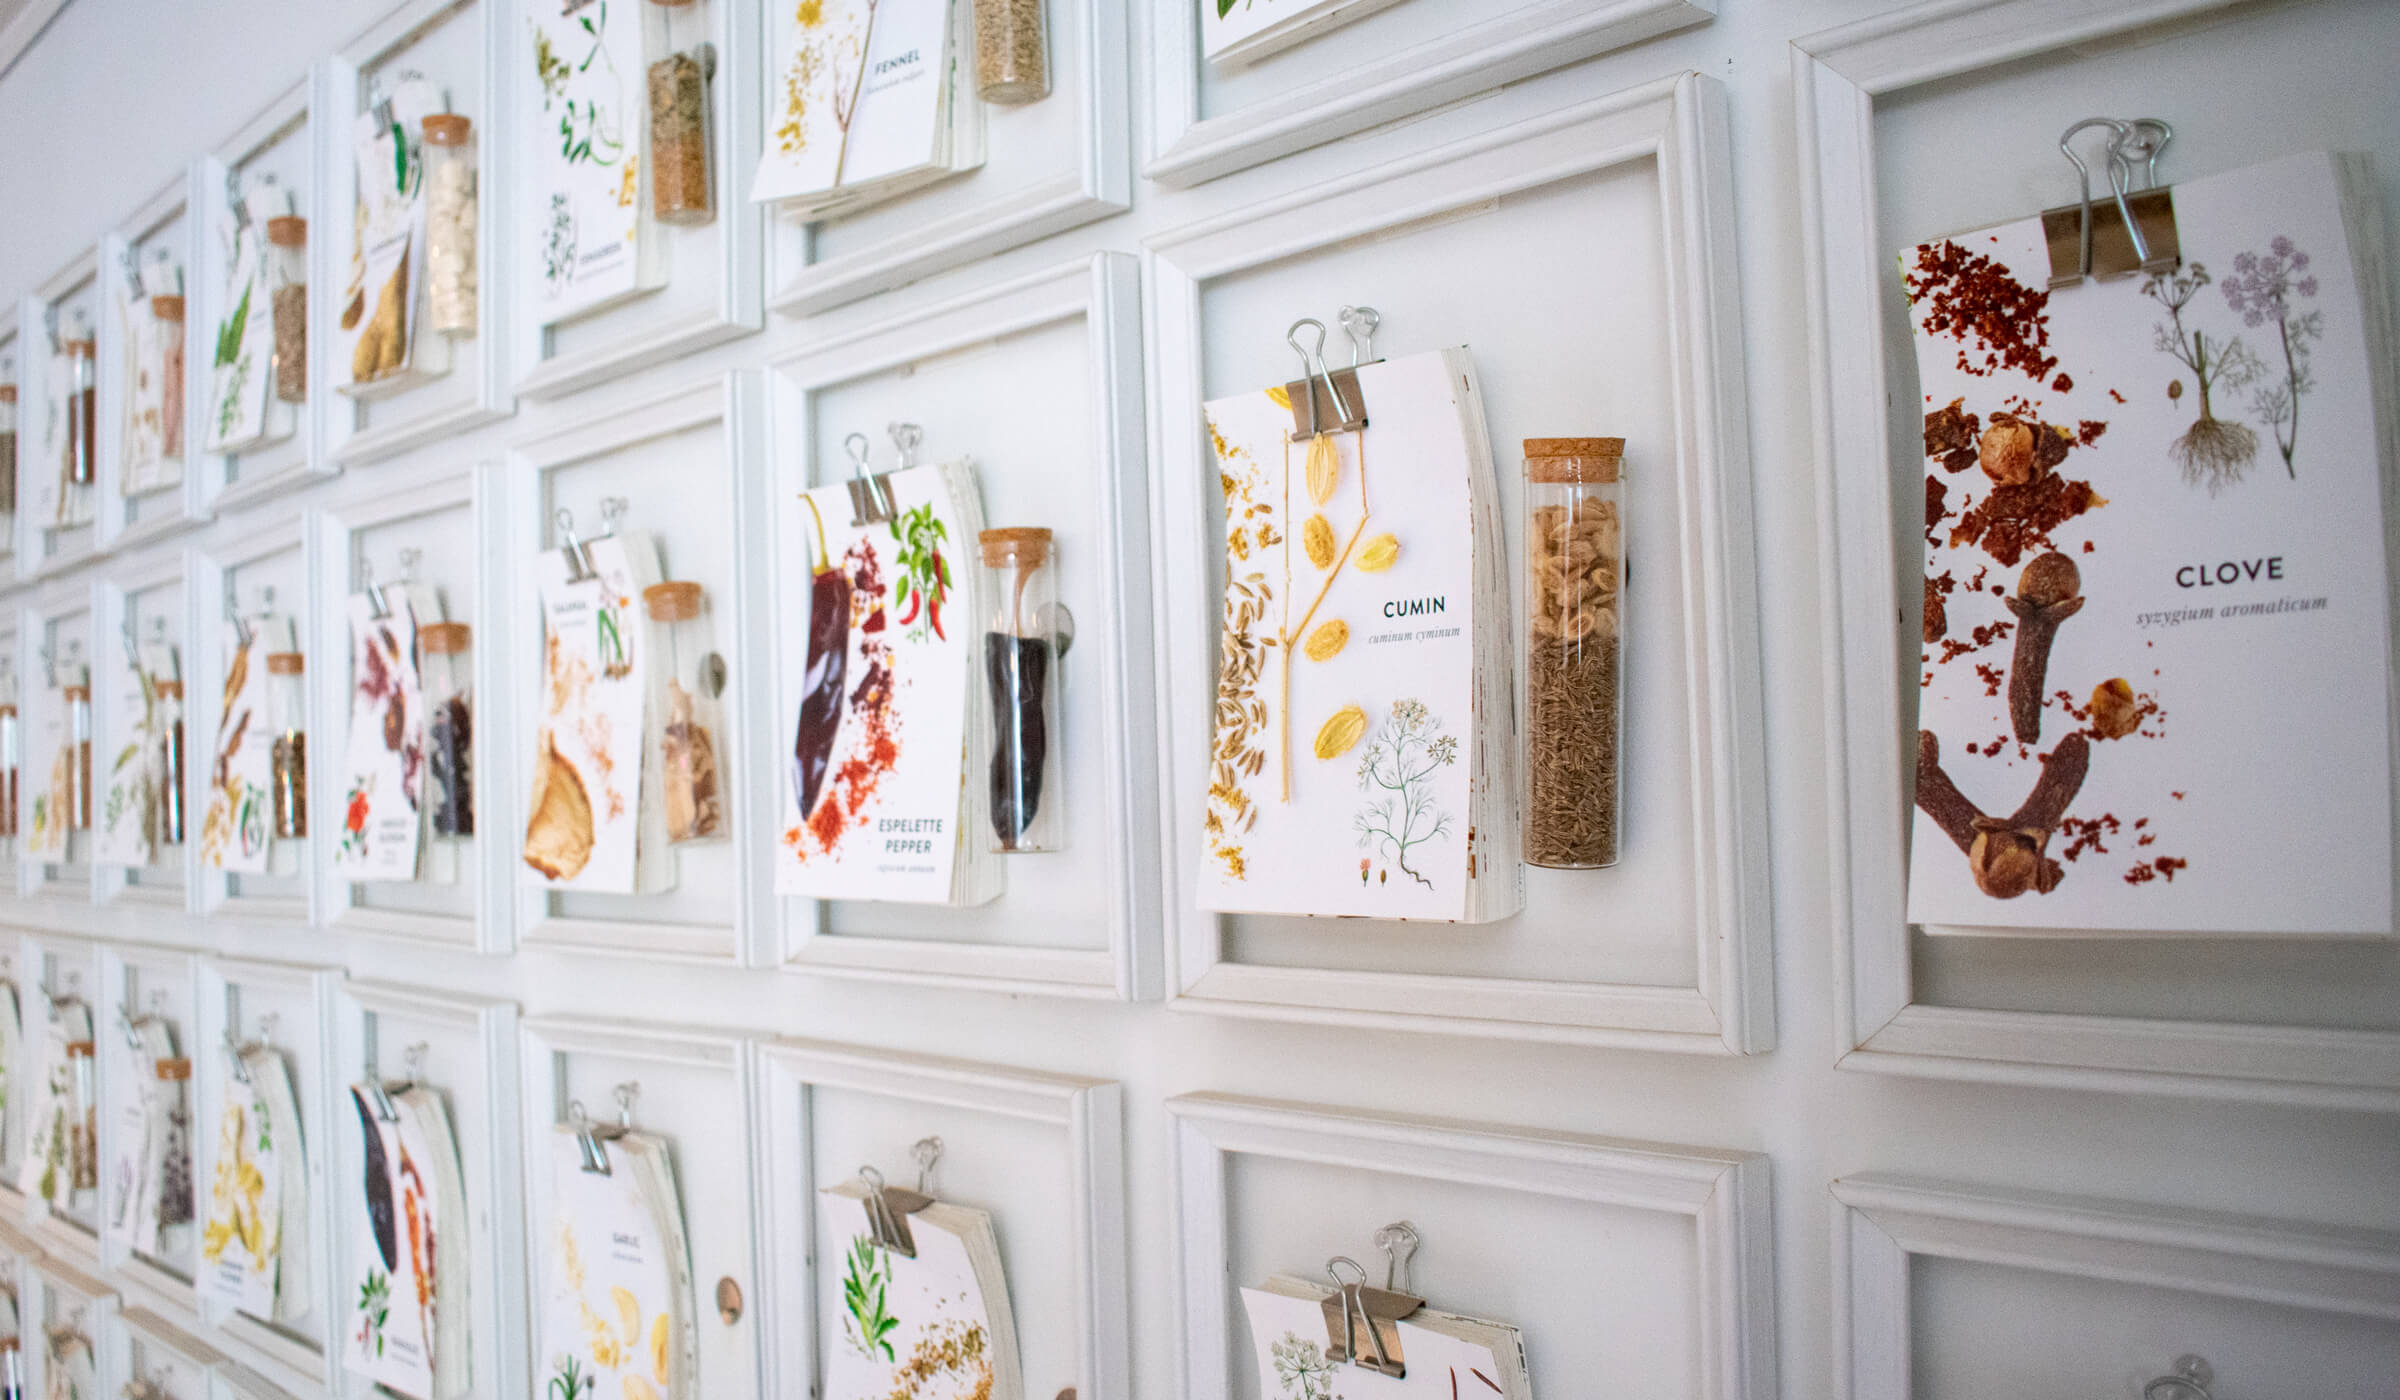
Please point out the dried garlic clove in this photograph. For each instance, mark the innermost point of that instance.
(1380, 554)
(1324, 468)
(1316, 537)
(1328, 640)
(1342, 732)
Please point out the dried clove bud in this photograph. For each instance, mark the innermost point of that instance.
(2048, 593)
(2010, 855)
(2115, 711)
(1939, 798)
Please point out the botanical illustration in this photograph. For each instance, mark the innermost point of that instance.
(1345, 651)
(1248, 29)
(861, 95)
(1302, 1369)
(241, 1239)
(586, 803)
(1448, 1357)
(383, 762)
(1396, 771)
(2268, 289)
(49, 811)
(234, 828)
(587, 79)
(391, 1326)
(128, 816)
(928, 1327)
(2097, 545)
(880, 723)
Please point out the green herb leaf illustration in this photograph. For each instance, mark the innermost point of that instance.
(863, 1294)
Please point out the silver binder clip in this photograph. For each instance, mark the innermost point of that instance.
(379, 1095)
(1359, 323)
(1338, 408)
(377, 607)
(590, 1135)
(573, 550)
(870, 493)
(1362, 1323)
(2134, 230)
(888, 1209)
(927, 1151)
(2190, 1380)
(243, 633)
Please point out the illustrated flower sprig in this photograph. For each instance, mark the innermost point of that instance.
(870, 1324)
(1400, 763)
(2270, 288)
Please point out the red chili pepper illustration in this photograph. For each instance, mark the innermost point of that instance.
(821, 681)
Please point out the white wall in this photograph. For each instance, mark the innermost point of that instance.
(119, 93)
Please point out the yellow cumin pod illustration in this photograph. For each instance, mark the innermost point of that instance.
(1328, 640)
(1342, 732)
(1316, 537)
(658, 1348)
(1379, 554)
(1324, 468)
(629, 1314)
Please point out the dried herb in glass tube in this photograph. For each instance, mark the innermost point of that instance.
(1020, 662)
(167, 312)
(12, 759)
(288, 764)
(688, 741)
(170, 762)
(450, 730)
(78, 697)
(287, 277)
(679, 165)
(81, 463)
(450, 218)
(1012, 61)
(8, 455)
(1574, 649)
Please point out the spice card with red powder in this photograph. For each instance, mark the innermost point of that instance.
(383, 761)
(879, 801)
(2155, 664)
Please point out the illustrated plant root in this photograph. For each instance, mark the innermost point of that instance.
(2214, 453)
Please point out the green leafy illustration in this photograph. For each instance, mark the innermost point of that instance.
(229, 334)
(374, 1307)
(924, 573)
(567, 1380)
(863, 1292)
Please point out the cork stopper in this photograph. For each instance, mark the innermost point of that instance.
(167, 308)
(445, 638)
(1574, 461)
(288, 231)
(82, 349)
(8, 711)
(286, 663)
(1022, 547)
(447, 129)
(8, 393)
(170, 690)
(677, 600)
(76, 692)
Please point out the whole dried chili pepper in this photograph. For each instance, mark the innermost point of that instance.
(821, 681)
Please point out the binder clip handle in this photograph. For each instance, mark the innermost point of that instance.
(870, 496)
(927, 1151)
(1398, 1241)
(2190, 1380)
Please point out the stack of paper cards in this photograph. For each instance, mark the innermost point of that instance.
(149, 1176)
(237, 827)
(587, 115)
(376, 348)
(1363, 755)
(617, 1312)
(383, 771)
(1445, 1356)
(1239, 31)
(885, 713)
(127, 821)
(254, 1243)
(866, 101)
(59, 1167)
(596, 818)
(934, 1324)
(407, 1285)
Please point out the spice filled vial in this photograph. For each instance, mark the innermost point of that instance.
(688, 742)
(80, 464)
(680, 190)
(166, 329)
(170, 762)
(8, 452)
(12, 754)
(1012, 61)
(446, 652)
(78, 696)
(1574, 649)
(1020, 666)
(450, 217)
(287, 285)
(287, 720)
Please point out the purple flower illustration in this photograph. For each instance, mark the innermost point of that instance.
(2268, 289)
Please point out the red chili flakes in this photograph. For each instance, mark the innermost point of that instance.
(2088, 431)
(2177, 796)
(2159, 868)
(2120, 398)
(2015, 520)
(1991, 677)
(2087, 546)
(2064, 384)
(1980, 638)
(1937, 505)
(1951, 434)
(1973, 300)
(2085, 836)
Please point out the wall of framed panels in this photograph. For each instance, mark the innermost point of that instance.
(1714, 1123)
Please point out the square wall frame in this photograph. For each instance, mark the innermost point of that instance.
(1087, 1116)
(1880, 1024)
(165, 220)
(339, 529)
(1102, 292)
(1677, 123)
(216, 576)
(130, 906)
